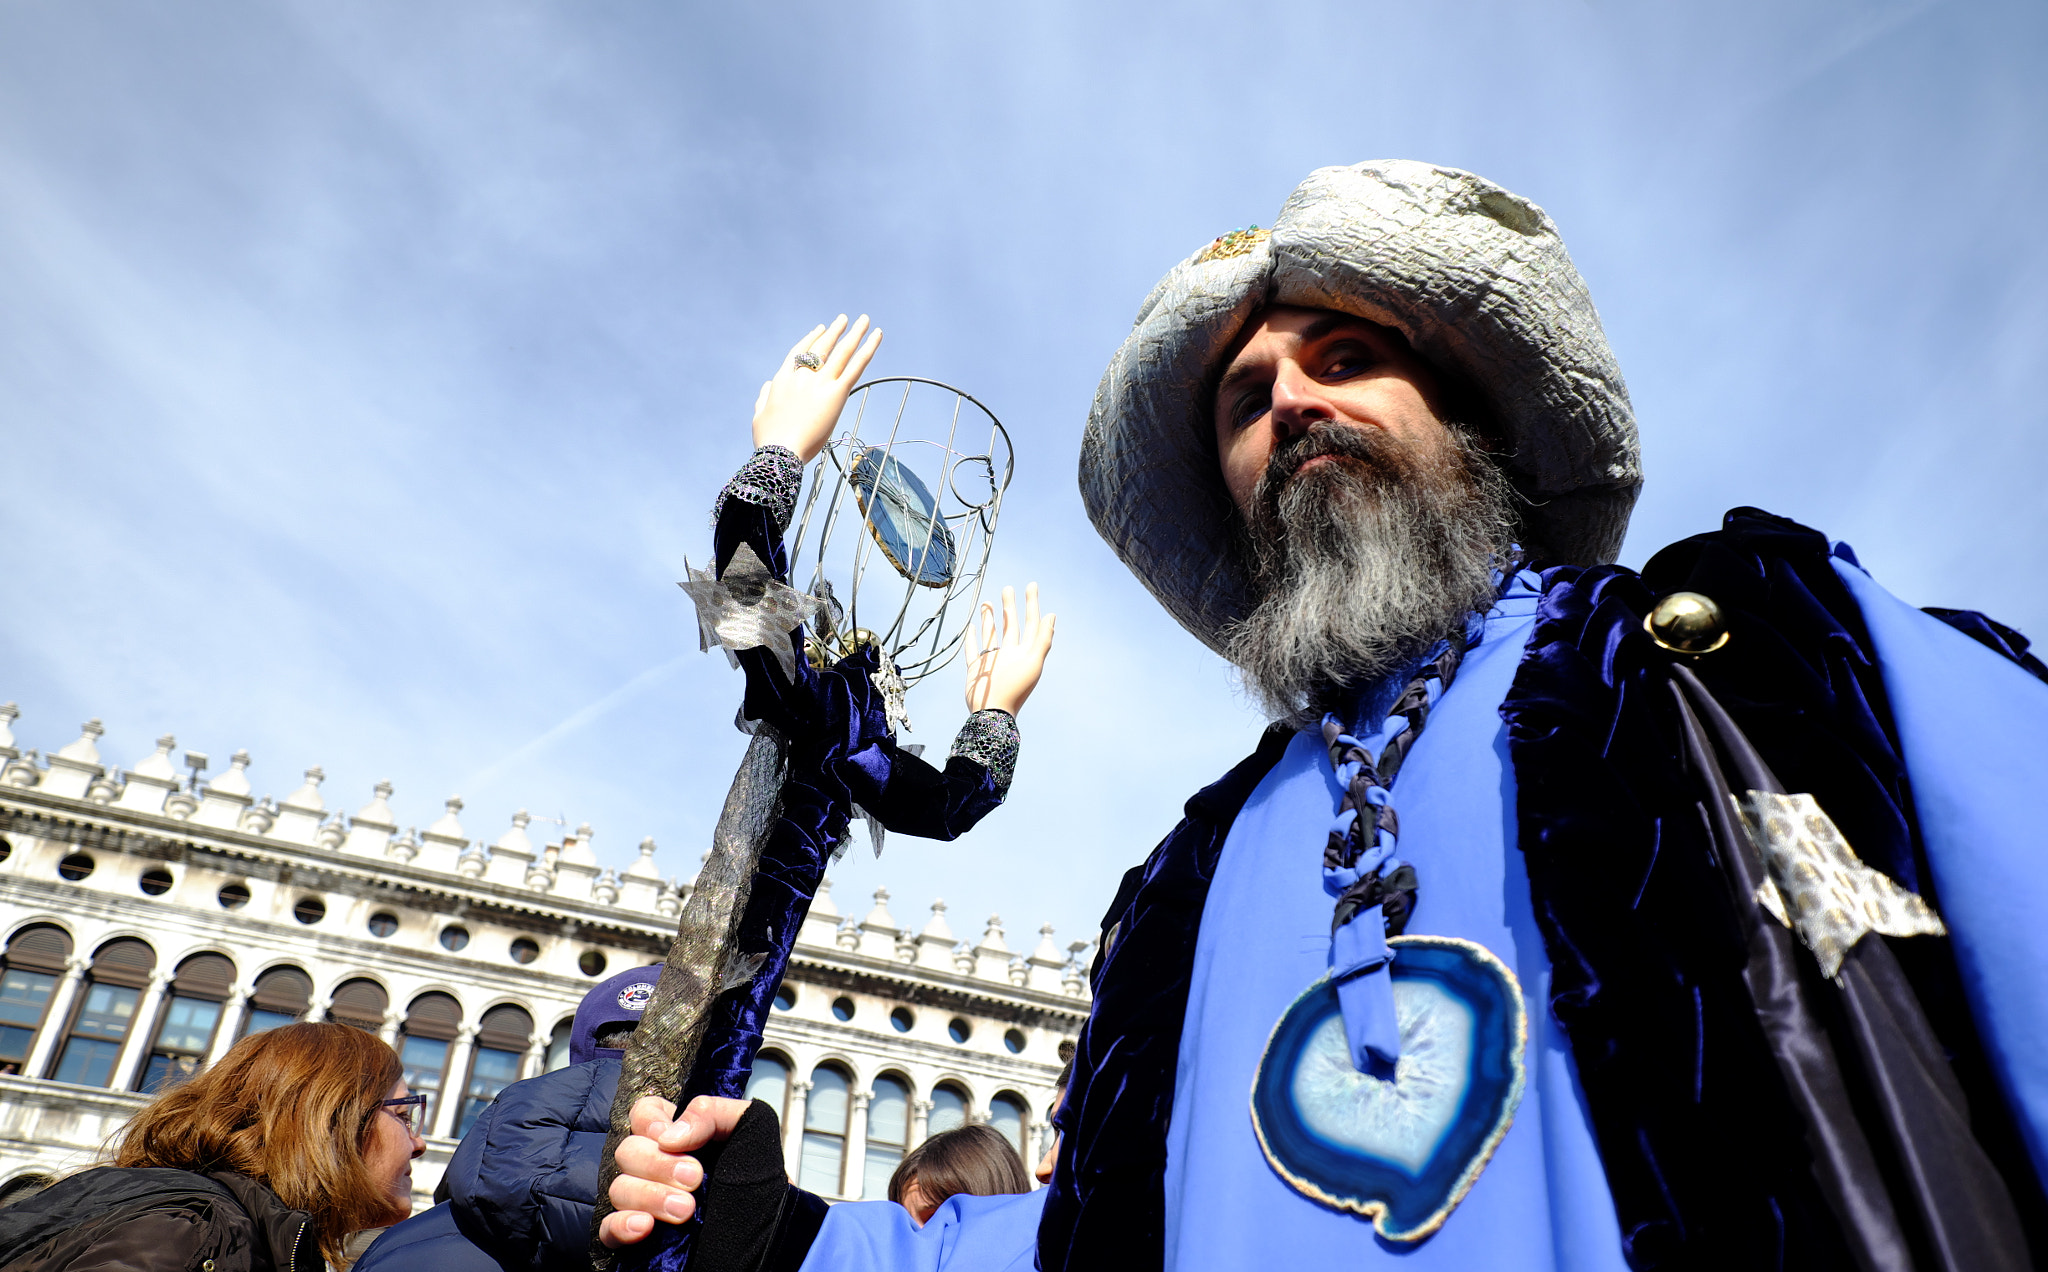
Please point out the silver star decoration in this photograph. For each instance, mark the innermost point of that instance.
(1818, 887)
(890, 685)
(748, 608)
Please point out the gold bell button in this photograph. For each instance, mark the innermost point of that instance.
(1687, 623)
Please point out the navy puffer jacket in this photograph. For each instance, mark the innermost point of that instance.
(519, 1185)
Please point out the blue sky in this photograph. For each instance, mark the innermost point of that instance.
(366, 371)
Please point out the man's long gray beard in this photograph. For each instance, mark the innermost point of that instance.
(1362, 563)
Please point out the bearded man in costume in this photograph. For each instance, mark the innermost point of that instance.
(1570, 918)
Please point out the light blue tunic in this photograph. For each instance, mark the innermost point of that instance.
(965, 1234)
(1973, 731)
(1542, 1203)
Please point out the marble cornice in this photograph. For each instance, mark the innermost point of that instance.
(155, 837)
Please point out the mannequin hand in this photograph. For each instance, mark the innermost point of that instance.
(798, 408)
(657, 1177)
(1006, 670)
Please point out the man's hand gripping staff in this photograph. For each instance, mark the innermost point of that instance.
(789, 806)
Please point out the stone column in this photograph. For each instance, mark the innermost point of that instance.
(920, 1121)
(856, 1171)
(54, 1019)
(128, 1067)
(536, 1056)
(230, 1021)
(793, 1134)
(454, 1082)
(389, 1033)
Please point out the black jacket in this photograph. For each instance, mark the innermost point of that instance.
(155, 1220)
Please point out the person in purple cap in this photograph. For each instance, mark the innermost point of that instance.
(517, 1194)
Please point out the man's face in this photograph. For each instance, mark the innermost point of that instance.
(1299, 368)
(1371, 528)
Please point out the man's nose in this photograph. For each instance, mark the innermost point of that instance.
(1298, 403)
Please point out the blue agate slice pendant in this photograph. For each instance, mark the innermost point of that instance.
(1404, 1152)
(904, 518)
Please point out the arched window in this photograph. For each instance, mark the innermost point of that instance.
(431, 1024)
(558, 1046)
(888, 1133)
(824, 1151)
(106, 1011)
(770, 1082)
(281, 997)
(1006, 1113)
(35, 961)
(502, 1037)
(188, 1021)
(949, 1109)
(362, 1003)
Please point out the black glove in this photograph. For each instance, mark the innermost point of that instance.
(754, 1219)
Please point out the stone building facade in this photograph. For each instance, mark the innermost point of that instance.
(152, 918)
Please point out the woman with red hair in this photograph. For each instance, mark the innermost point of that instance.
(268, 1161)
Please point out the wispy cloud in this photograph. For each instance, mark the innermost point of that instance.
(572, 722)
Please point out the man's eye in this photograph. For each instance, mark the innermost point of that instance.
(1247, 408)
(1347, 360)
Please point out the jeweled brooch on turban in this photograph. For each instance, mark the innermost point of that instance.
(1235, 243)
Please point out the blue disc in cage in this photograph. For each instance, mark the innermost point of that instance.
(904, 519)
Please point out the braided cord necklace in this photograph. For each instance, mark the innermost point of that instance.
(1375, 889)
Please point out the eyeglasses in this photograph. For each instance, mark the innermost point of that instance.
(408, 1109)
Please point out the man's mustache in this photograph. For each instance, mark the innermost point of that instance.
(1371, 448)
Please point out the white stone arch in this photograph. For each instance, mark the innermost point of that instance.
(524, 1004)
(210, 946)
(889, 1066)
(955, 1078)
(841, 1058)
(323, 992)
(783, 1052)
(1024, 1105)
(62, 922)
(354, 971)
(262, 964)
(86, 949)
(265, 962)
(797, 1073)
(402, 1003)
(538, 1035)
(976, 1110)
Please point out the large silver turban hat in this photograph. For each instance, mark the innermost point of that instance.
(1478, 281)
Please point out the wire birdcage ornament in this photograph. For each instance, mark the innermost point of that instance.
(901, 513)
